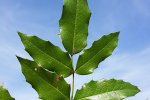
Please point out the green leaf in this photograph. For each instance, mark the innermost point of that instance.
(4, 94)
(74, 25)
(106, 90)
(101, 49)
(47, 55)
(49, 85)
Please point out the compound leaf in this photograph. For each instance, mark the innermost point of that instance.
(49, 85)
(106, 90)
(101, 49)
(47, 55)
(4, 94)
(74, 25)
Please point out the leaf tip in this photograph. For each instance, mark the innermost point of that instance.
(21, 35)
(116, 33)
(137, 89)
(18, 57)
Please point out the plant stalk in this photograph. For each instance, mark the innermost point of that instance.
(72, 87)
(72, 92)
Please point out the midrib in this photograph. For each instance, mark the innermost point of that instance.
(48, 55)
(96, 54)
(48, 84)
(76, 10)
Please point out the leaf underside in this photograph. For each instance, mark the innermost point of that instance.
(47, 55)
(106, 90)
(100, 50)
(4, 94)
(74, 25)
(48, 85)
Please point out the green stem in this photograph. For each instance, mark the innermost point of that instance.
(72, 87)
(72, 92)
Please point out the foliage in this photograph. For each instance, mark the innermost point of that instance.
(4, 94)
(106, 90)
(50, 64)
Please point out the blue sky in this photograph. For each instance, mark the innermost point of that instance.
(130, 61)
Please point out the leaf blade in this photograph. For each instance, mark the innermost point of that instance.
(47, 55)
(47, 84)
(74, 25)
(100, 50)
(106, 90)
(4, 94)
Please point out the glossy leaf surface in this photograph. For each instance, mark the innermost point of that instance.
(49, 85)
(100, 50)
(106, 90)
(47, 55)
(74, 25)
(4, 94)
